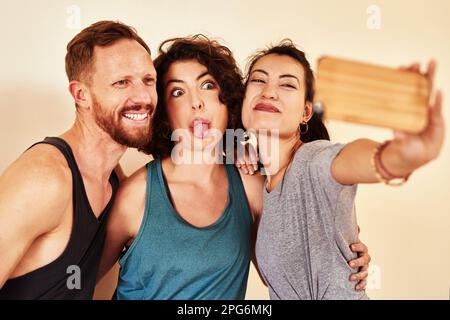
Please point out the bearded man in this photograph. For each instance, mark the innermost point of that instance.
(56, 197)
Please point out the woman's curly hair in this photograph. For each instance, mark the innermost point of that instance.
(219, 62)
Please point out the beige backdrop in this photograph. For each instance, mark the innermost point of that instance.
(407, 229)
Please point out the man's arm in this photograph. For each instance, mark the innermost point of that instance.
(35, 191)
(124, 220)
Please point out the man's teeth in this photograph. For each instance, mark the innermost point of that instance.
(136, 116)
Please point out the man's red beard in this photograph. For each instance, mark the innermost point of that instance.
(112, 125)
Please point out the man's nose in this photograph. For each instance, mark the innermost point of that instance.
(141, 94)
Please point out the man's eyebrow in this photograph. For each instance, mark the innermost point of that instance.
(129, 76)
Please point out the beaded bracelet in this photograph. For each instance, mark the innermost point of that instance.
(381, 173)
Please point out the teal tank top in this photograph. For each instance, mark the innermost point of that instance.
(171, 259)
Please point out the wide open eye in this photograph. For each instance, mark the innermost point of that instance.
(209, 85)
(177, 92)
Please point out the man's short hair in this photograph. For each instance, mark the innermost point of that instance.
(80, 50)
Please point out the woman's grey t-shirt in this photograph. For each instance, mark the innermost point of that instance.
(305, 232)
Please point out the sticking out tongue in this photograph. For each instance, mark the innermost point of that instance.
(200, 129)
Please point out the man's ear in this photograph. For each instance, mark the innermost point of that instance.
(80, 94)
(308, 113)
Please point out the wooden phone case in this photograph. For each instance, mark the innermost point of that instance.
(373, 95)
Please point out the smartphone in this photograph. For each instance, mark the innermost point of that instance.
(371, 94)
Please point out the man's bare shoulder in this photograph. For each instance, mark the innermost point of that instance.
(38, 182)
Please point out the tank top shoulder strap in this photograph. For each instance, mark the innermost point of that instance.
(237, 190)
(154, 193)
(66, 150)
(149, 183)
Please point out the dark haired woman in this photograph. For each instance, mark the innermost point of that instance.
(308, 221)
(187, 224)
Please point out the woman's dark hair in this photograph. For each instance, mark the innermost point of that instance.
(316, 128)
(219, 62)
